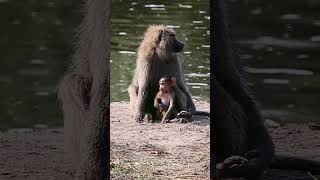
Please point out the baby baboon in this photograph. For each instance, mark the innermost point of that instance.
(84, 93)
(169, 100)
(157, 57)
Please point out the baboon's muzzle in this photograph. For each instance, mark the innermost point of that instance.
(178, 46)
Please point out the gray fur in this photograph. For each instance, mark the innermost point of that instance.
(84, 93)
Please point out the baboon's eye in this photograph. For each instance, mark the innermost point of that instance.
(172, 35)
(160, 35)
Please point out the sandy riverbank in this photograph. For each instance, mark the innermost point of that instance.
(146, 150)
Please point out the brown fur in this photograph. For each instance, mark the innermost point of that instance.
(156, 58)
(149, 43)
(177, 103)
(84, 93)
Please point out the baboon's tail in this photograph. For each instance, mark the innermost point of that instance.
(295, 163)
(202, 113)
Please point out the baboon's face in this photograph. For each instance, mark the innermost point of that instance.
(169, 42)
(164, 85)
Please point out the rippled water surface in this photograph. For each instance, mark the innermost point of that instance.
(279, 43)
(190, 19)
(35, 41)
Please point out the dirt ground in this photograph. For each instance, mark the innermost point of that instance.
(159, 151)
(138, 151)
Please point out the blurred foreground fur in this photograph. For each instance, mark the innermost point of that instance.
(84, 93)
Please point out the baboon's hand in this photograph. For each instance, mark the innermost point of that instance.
(138, 117)
(232, 166)
(234, 161)
(165, 120)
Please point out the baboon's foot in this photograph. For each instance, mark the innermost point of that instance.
(184, 114)
(138, 119)
(148, 118)
(232, 166)
(184, 120)
(85, 173)
(165, 120)
(180, 120)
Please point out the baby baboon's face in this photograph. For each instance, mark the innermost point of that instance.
(164, 85)
(169, 42)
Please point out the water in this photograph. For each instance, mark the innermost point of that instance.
(278, 41)
(36, 45)
(190, 19)
(35, 42)
(279, 45)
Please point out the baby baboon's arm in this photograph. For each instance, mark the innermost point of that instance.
(171, 107)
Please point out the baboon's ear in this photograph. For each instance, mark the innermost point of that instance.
(173, 81)
(160, 35)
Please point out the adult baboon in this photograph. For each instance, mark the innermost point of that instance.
(84, 93)
(242, 145)
(157, 57)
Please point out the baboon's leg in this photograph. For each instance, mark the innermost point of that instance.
(181, 100)
(84, 93)
(73, 91)
(230, 136)
(150, 110)
(133, 95)
(182, 86)
(95, 158)
(228, 73)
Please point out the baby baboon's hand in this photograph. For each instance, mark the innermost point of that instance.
(165, 120)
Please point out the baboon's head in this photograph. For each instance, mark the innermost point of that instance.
(161, 41)
(166, 83)
(168, 42)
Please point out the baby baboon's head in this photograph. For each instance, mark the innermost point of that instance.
(166, 83)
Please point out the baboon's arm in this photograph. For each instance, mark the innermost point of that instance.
(229, 74)
(156, 101)
(143, 81)
(171, 106)
(181, 84)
